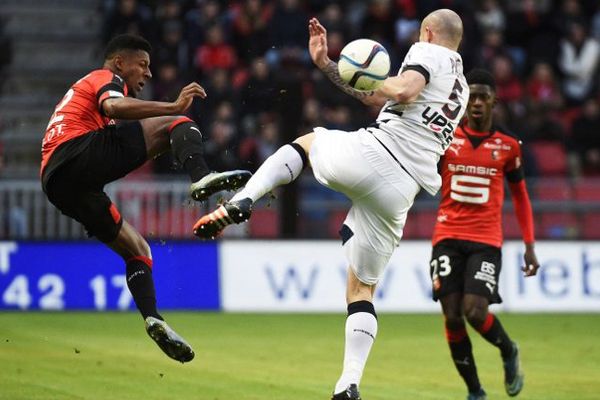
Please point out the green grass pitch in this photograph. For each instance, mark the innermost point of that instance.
(108, 356)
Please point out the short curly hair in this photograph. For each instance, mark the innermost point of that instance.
(126, 42)
(479, 76)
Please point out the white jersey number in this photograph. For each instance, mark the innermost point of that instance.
(473, 194)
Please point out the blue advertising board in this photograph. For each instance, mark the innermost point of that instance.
(89, 276)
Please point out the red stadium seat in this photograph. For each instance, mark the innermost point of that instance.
(425, 221)
(336, 219)
(587, 190)
(590, 225)
(264, 223)
(555, 189)
(557, 225)
(510, 226)
(550, 157)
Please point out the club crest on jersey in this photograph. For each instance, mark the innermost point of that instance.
(495, 154)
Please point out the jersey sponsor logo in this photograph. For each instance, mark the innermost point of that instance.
(497, 146)
(487, 273)
(472, 169)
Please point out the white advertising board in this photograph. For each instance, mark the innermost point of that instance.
(310, 276)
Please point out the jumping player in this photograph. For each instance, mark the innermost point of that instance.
(466, 257)
(380, 168)
(84, 149)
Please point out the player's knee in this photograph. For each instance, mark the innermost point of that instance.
(455, 323)
(475, 315)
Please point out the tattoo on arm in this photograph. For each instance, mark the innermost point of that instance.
(331, 70)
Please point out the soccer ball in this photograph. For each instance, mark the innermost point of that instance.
(364, 64)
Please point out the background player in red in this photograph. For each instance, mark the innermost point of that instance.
(466, 257)
(84, 149)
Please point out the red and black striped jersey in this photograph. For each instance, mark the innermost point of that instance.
(80, 110)
(473, 171)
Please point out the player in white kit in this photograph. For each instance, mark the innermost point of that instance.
(381, 168)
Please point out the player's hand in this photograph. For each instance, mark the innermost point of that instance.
(531, 262)
(317, 43)
(186, 97)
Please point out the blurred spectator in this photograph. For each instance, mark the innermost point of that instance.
(220, 149)
(172, 48)
(215, 52)
(379, 22)
(130, 17)
(200, 18)
(288, 34)
(585, 139)
(542, 88)
(508, 87)
(250, 21)
(257, 95)
(490, 16)
(167, 82)
(218, 90)
(578, 60)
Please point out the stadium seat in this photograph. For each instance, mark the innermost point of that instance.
(264, 223)
(335, 221)
(510, 226)
(590, 225)
(425, 221)
(557, 225)
(587, 190)
(550, 157)
(554, 189)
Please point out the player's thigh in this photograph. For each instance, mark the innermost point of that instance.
(91, 207)
(156, 134)
(372, 230)
(446, 268)
(483, 271)
(338, 161)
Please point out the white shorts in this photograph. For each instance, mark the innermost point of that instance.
(357, 165)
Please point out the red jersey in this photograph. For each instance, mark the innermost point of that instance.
(80, 110)
(473, 170)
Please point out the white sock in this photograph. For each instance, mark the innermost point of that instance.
(281, 168)
(361, 330)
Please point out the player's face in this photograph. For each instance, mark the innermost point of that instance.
(481, 102)
(134, 68)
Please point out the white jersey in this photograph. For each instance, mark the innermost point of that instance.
(417, 134)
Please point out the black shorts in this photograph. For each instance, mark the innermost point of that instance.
(78, 170)
(465, 267)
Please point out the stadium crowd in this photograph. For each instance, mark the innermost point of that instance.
(251, 56)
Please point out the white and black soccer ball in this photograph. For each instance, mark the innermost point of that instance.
(364, 64)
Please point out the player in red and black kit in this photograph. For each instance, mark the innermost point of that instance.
(84, 149)
(466, 257)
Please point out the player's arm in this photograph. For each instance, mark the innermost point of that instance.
(317, 46)
(120, 107)
(405, 87)
(522, 204)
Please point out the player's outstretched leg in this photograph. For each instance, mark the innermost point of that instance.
(232, 212)
(280, 168)
(168, 340)
(188, 149)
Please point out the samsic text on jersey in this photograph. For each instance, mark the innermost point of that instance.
(473, 170)
(79, 111)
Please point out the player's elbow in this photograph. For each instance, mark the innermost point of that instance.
(109, 109)
(405, 97)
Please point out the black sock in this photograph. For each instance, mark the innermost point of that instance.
(462, 355)
(187, 148)
(141, 286)
(494, 333)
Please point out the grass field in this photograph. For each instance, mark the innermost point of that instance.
(104, 356)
